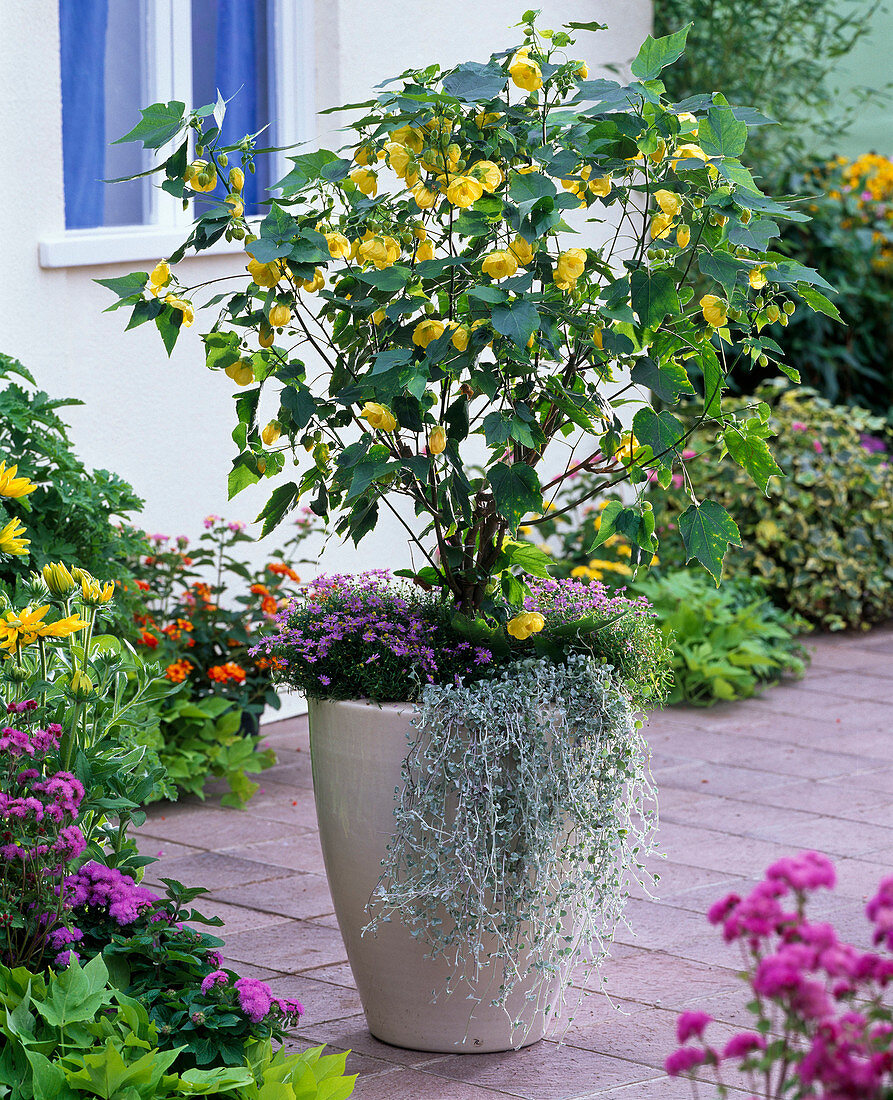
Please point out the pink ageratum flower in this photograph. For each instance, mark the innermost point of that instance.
(215, 978)
(685, 1059)
(255, 998)
(691, 1025)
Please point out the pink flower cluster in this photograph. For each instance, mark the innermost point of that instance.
(107, 888)
(255, 997)
(825, 998)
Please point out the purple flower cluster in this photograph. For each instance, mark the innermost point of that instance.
(806, 982)
(255, 997)
(566, 601)
(108, 889)
(36, 815)
(366, 619)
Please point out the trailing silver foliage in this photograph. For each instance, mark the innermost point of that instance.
(526, 811)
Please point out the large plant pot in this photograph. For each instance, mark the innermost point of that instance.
(357, 749)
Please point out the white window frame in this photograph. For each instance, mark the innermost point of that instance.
(169, 76)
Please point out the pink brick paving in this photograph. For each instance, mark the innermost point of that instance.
(807, 765)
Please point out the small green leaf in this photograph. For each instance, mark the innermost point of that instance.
(160, 123)
(654, 296)
(720, 134)
(516, 491)
(282, 500)
(662, 432)
(752, 454)
(820, 303)
(657, 53)
(472, 81)
(666, 380)
(518, 322)
(707, 532)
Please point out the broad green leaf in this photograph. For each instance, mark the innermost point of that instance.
(723, 267)
(472, 82)
(714, 380)
(654, 296)
(820, 303)
(720, 134)
(308, 167)
(299, 402)
(607, 526)
(390, 279)
(657, 53)
(282, 499)
(169, 323)
(160, 123)
(241, 476)
(666, 380)
(662, 432)
(516, 491)
(529, 558)
(526, 189)
(789, 271)
(126, 286)
(707, 532)
(518, 321)
(752, 454)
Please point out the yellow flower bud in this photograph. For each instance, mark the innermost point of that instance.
(316, 283)
(365, 154)
(265, 275)
(424, 197)
(58, 580)
(160, 276)
(427, 331)
(460, 336)
(487, 118)
(521, 250)
(501, 264)
(365, 180)
(525, 624)
(598, 338)
(661, 224)
(583, 71)
(601, 186)
(378, 316)
(714, 310)
(419, 232)
(378, 416)
(683, 236)
(489, 174)
(757, 278)
(280, 315)
(184, 307)
(398, 157)
(570, 266)
(94, 592)
(271, 433)
(80, 683)
(525, 73)
(203, 177)
(236, 179)
(265, 337)
(437, 441)
(425, 251)
(668, 201)
(242, 373)
(339, 246)
(464, 190)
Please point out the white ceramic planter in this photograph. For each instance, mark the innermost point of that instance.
(357, 749)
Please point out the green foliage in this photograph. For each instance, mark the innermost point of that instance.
(743, 50)
(72, 1033)
(822, 540)
(72, 515)
(542, 775)
(445, 289)
(850, 237)
(727, 642)
(200, 737)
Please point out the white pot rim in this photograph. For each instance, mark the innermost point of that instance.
(363, 704)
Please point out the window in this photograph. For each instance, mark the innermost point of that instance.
(119, 55)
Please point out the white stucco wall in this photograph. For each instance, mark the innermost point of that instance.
(164, 425)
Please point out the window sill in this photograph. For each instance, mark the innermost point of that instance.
(121, 245)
